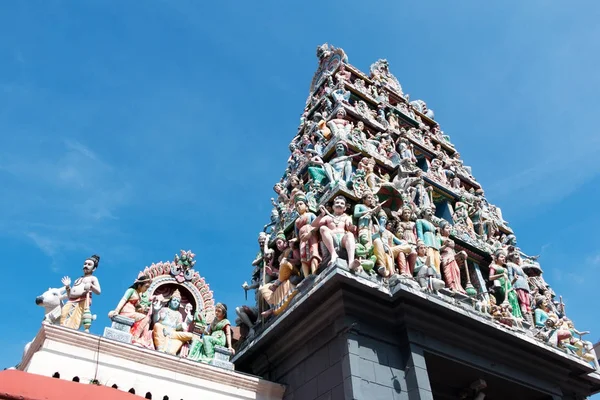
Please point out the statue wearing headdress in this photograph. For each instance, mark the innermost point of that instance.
(339, 168)
(77, 309)
(170, 330)
(218, 333)
(133, 305)
(307, 236)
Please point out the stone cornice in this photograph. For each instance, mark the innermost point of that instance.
(151, 358)
(338, 295)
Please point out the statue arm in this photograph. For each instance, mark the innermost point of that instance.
(95, 286)
(124, 300)
(228, 338)
(419, 226)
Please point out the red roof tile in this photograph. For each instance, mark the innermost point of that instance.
(19, 385)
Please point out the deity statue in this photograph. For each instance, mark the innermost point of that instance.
(406, 227)
(170, 331)
(364, 213)
(218, 333)
(428, 278)
(133, 305)
(359, 137)
(387, 248)
(343, 76)
(393, 122)
(340, 127)
(339, 168)
(503, 289)
(76, 311)
(426, 233)
(521, 285)
(336, 232)
(280, 292)
(307, 236)
(448, 259)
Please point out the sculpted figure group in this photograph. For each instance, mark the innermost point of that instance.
(385, 195)
(177, 318)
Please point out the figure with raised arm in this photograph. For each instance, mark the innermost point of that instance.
(80, 296)
(132, 306)
(170, 331)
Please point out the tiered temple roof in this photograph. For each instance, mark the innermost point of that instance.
(413, 216)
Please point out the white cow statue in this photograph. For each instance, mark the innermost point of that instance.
(52, 301)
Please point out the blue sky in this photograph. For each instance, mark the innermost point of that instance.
(133, 132)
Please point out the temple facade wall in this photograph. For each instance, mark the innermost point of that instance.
(77, 354)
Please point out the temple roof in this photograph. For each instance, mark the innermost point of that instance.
(25, 386)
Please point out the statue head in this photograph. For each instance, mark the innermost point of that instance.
(421, 248)
(339, 205)
(406, 213)
(175, 300)
(500, 256)
(300, 203)
(341, 113)
(281, 241)
(142, 283)
(341, 148)
(445, 228)
(262, 238)
(221, 311)
(91, 264)
(368, 198)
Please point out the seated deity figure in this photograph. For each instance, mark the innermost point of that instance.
(79, 296)
(336, 232)
(428, 278)
(133, 306)
(218, 333)
(170, 330)
(340, 127)
(343, 75)
(339, 168)
(388, 248)
(280, 292)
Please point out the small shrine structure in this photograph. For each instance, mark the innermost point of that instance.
(168, 338)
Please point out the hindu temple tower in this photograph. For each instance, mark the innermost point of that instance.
(386, 273)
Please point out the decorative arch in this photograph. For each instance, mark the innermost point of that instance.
(180, 273)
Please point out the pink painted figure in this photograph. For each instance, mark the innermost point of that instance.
(306, 233)
(336, 231)
(343, 75)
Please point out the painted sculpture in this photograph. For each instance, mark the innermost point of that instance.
(418, 213)
(76, 312)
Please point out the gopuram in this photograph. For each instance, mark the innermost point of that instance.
(386, 273)
(168, 338)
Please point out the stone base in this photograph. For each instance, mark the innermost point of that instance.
(222, 364)
(122, 323)
(118, 335)
(221, 359)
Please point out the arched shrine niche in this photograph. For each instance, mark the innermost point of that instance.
(179, 274)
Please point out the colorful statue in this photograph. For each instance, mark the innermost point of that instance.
(76, 311)
(133, 306)
(339, 168)
(388, 248)
(448, 260)
(307, 235)
(426, 232)
(218, 333)
(170, 331)
(336, 231)
(503, 289)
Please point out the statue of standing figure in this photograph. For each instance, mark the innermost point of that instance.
(76, 311)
